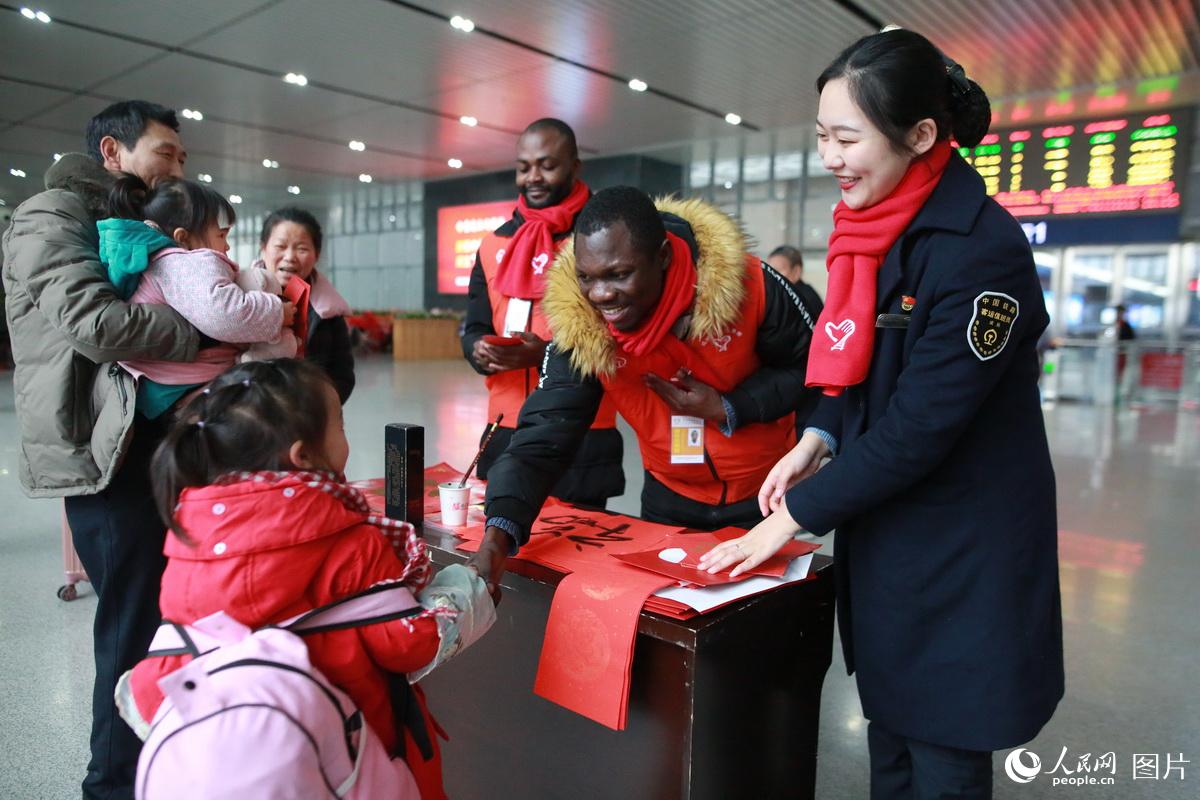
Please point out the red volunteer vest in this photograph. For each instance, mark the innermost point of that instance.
(507, 390)
(735, 466)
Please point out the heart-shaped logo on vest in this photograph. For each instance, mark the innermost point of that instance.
(539, 263)
(840, 333)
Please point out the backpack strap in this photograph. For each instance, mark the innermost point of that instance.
(173, 639)
(383, 602)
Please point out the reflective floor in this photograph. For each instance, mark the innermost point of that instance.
(1129, 510)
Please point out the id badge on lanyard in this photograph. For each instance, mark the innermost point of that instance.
(516, 319)
(687, 440)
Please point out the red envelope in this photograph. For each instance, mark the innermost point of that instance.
(297, 291)
(588, 648)
(694, 545)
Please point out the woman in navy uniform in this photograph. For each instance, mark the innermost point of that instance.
(941, 491)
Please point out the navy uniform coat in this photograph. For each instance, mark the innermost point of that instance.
(943, 491)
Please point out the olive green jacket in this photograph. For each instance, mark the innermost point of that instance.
(67, 324)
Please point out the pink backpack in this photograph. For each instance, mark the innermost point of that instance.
(250, 716)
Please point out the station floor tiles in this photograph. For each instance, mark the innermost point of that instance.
(1129, 509)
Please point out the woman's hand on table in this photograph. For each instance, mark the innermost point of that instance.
(756, 546)
(490, 560)
(800, 462)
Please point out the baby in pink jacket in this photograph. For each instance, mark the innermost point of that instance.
(168, 245)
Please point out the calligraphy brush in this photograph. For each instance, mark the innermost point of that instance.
(487, 438)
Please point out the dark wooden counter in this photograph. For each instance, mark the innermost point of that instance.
(722, 706)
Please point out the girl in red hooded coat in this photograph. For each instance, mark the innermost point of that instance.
(249, 480)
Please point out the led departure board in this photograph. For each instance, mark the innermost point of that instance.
(1113, 165)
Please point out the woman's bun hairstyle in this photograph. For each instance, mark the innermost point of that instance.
(898, 78)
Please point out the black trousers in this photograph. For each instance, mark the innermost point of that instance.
(593, 476)
(661, 504)
(913, 770)
(119, 538)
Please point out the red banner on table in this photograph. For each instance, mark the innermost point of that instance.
(587, 653)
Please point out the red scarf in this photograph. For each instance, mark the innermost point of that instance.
(845, 334)
(679, 290)
(530, 252)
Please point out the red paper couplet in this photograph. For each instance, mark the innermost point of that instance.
(587, 653)
(566, 538)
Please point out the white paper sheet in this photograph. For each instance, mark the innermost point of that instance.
(712, 596)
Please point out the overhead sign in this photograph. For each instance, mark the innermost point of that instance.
(460, 229)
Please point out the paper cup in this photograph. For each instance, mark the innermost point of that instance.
(455, 500)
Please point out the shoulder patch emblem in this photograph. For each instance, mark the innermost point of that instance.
(991, 324)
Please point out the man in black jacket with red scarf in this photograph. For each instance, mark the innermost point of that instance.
(506, 332)
(701, 347)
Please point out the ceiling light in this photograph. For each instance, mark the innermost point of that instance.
(235, 199)
(28, 13)
(2, 203)
(293, 190)
(357, 146)
(728, 184)
(391, 217)
(204, 177)
(733, 119)
(462, 24)
(269, 164)
(42, 16)
(455, 163)
(17, 173)
(638, 85)
(190, 114)
(470, 122)
(57, 156)
(296, 78)
(365, 178)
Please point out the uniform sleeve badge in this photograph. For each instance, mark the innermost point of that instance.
(992, 322)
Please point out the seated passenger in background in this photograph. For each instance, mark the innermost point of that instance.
(290, 246)
(249, 480)
(168, 245)
(701, 348)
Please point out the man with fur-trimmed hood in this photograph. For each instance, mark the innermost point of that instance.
(701, 346)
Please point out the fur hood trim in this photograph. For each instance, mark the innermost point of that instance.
(720, 288)
(82, 175)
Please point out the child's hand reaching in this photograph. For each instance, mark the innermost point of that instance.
(289, 313)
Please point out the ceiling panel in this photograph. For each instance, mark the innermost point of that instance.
(232, 93)
(166, 21)
(61, 55)
(731, 55)
(367, 45)
(1026, 46)
(604, 119)
(758, 58)
(18, 101)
